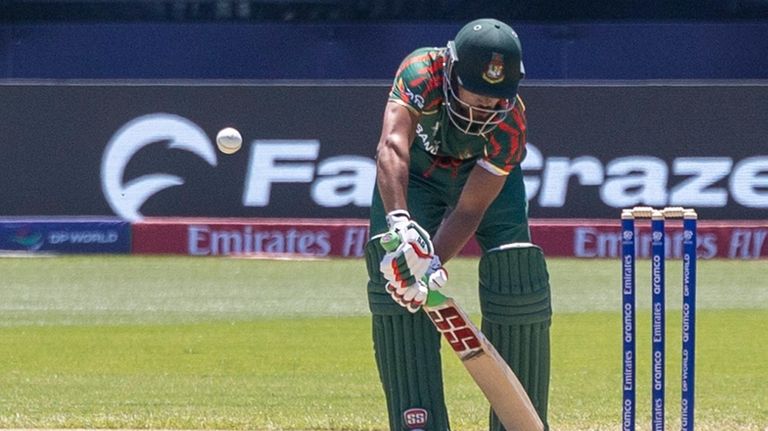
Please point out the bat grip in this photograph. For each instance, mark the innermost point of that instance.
(390, 241)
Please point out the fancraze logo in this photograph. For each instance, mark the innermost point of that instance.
(335, 182)
(127, 198)
(348, 180)
(646, 180)
(622, 182)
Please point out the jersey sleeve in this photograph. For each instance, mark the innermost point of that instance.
(505, 149)
(416, 81)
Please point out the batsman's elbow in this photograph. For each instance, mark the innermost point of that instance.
(392, 148)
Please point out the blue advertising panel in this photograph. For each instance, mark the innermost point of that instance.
(65, 235)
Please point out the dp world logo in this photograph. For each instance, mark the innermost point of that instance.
(28, 238)
(628, 235)
(657, 236)
(687, 235)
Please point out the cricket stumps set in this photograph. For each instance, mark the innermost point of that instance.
(657, 218)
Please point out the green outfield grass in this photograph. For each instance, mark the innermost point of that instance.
(205, 343)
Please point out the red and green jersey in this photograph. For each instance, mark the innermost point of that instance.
(418, 86)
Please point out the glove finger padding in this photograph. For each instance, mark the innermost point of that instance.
(405, 265)
(396, 270)
(411, 297)
(411, 257)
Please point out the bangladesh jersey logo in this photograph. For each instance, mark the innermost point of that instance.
(494, 72)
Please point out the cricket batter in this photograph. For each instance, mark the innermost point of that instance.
(448, 167)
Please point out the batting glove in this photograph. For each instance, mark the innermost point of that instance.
(397, 217)
(411, 297)
(436, 276)
(411, 260)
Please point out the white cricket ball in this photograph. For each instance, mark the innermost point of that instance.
(229, 140)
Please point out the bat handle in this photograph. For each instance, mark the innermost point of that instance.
(390, 241)
(435, 298)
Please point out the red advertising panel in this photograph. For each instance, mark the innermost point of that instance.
(585, 238)
(318, 238)
(251, 237)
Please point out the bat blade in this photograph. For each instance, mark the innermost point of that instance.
(506, 394)
(488, 369)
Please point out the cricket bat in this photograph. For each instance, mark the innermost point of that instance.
(488, 369)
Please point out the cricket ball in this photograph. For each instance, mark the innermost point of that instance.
(229, 140)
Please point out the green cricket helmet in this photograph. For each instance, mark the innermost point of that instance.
(485, 58)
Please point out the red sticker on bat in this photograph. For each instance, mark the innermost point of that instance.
(455, 329)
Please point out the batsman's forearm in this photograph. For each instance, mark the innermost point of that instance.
(454, 233)
(393, 155)
(392, 187)
(392, 176)
(481, 189)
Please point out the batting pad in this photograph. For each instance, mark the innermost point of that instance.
(407, 349)
(517, 313)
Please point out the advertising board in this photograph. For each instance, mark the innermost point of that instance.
(147, 150)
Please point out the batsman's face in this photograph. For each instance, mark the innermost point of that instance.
(472, 113)
(481, 107)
